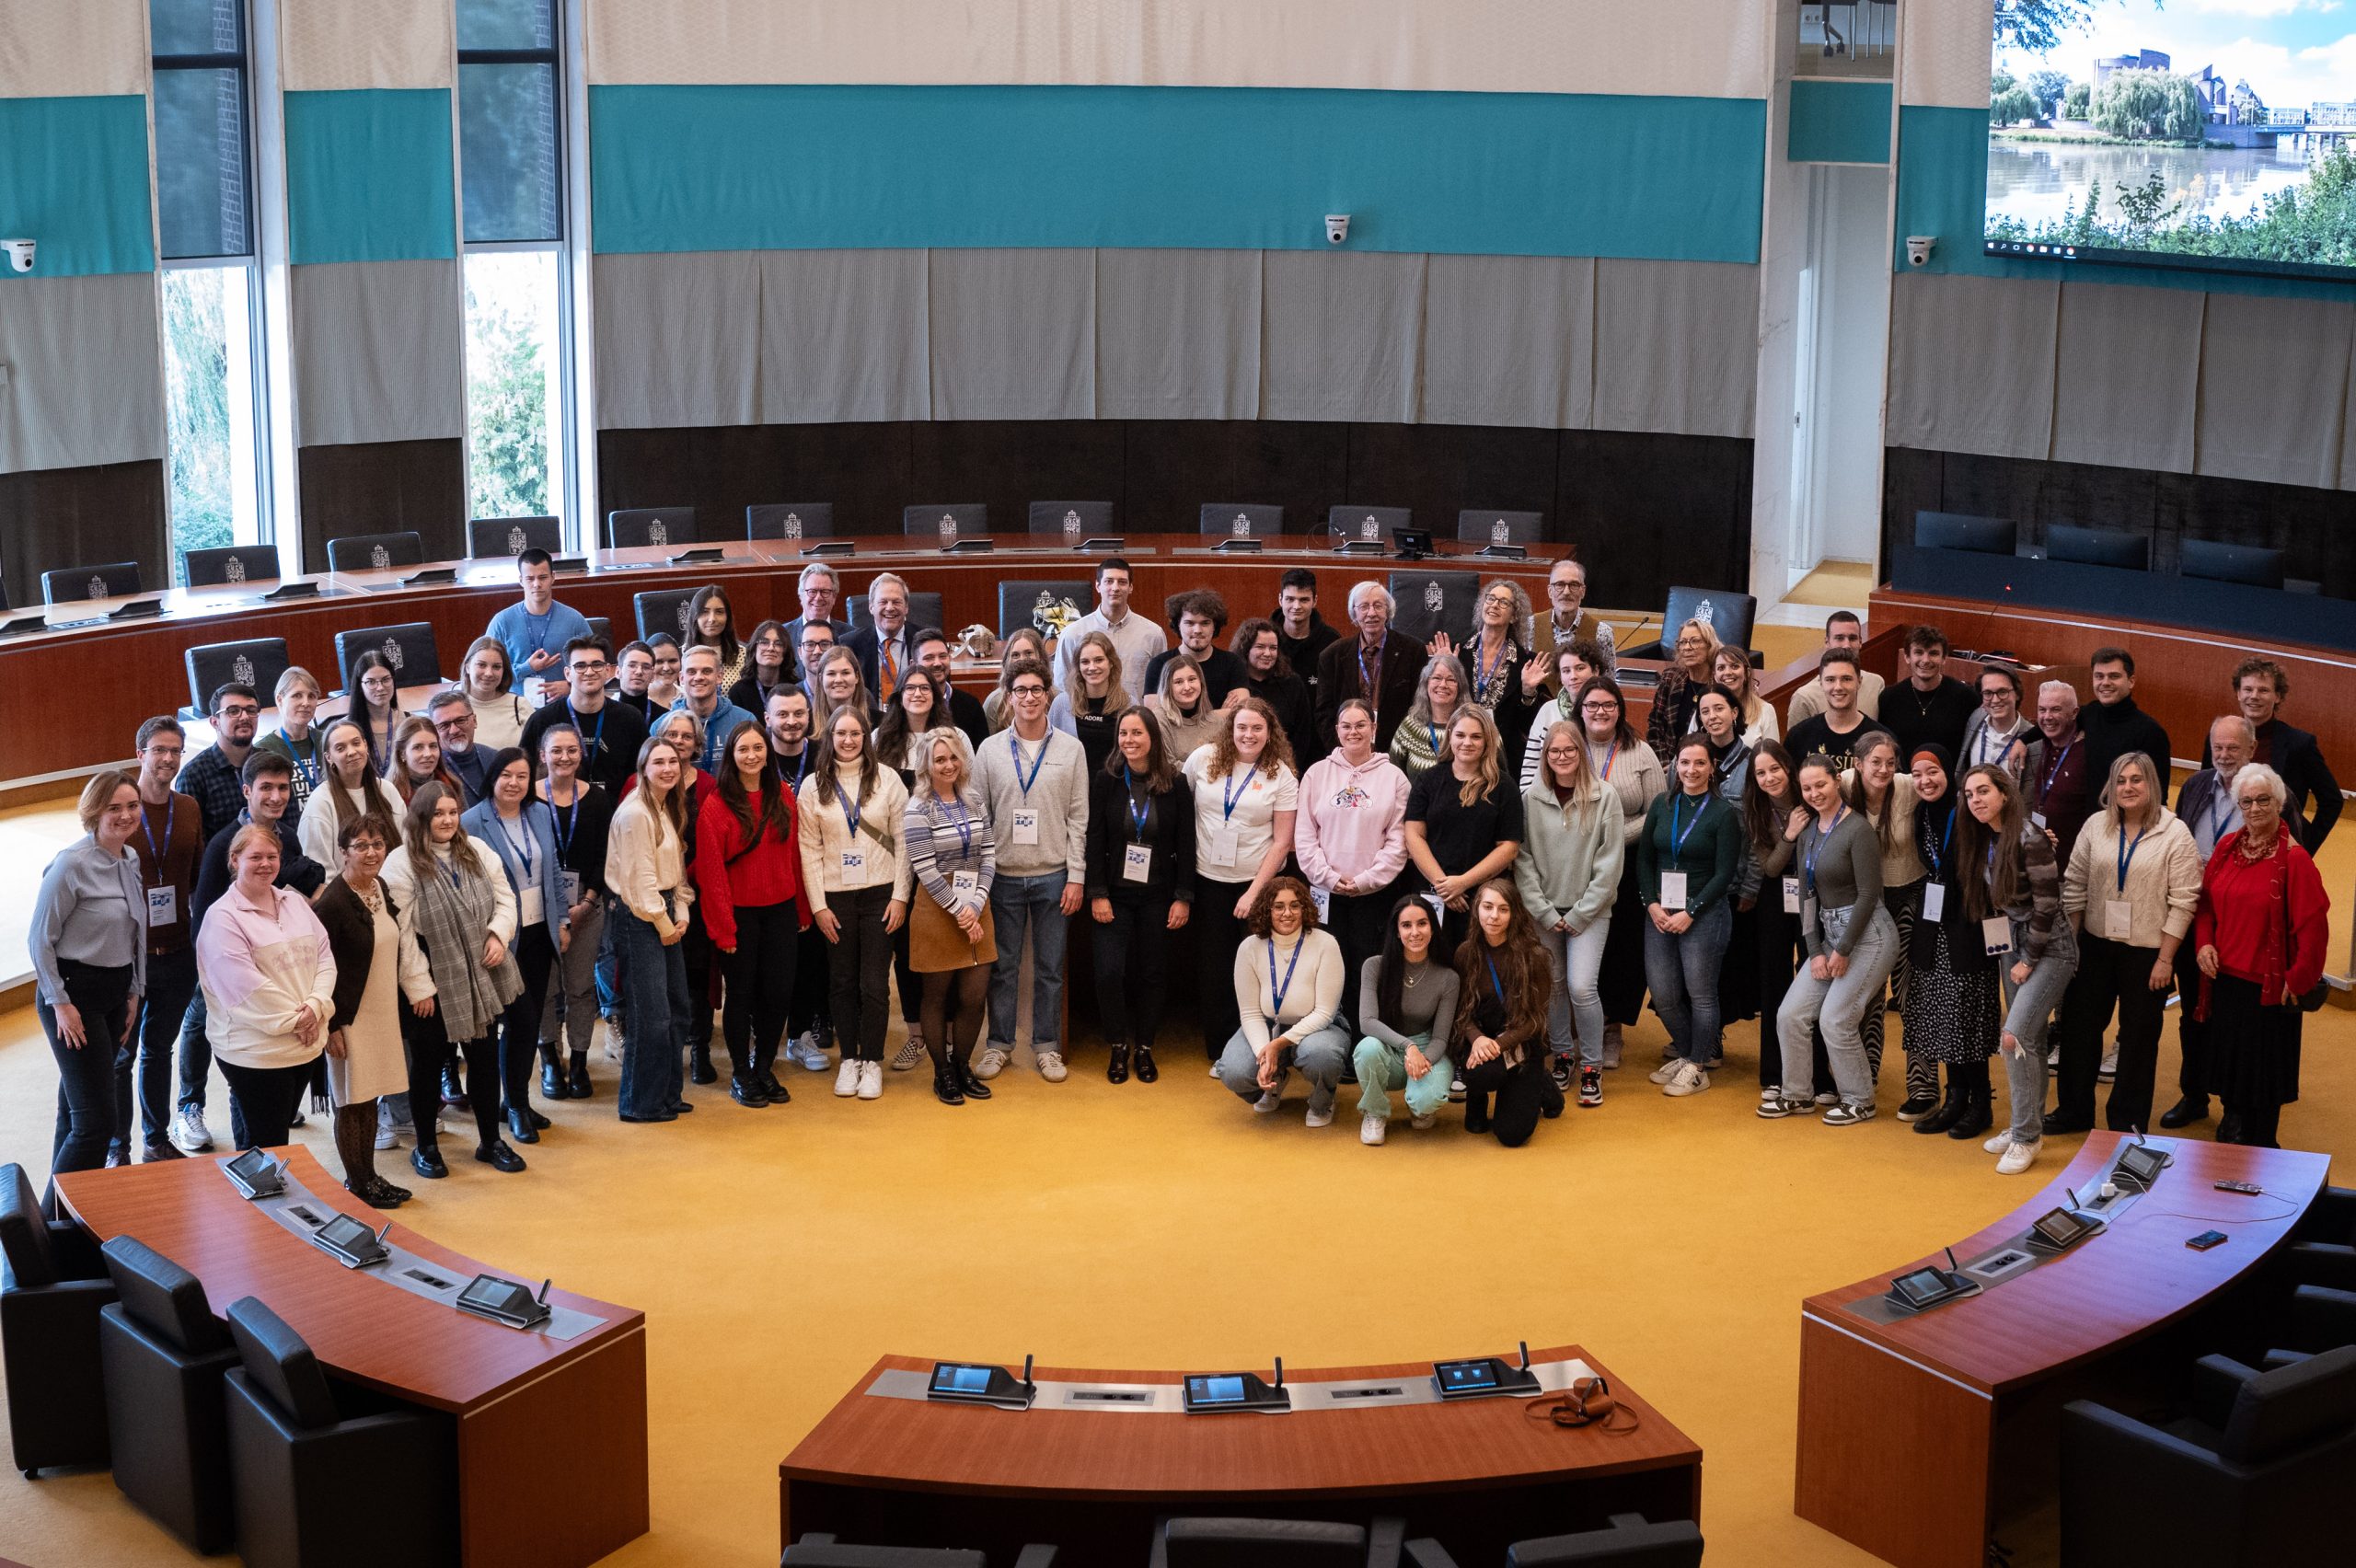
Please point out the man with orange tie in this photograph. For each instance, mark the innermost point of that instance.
(881, 645)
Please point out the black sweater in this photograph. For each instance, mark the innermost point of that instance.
(2111, 732)
(1168, 833)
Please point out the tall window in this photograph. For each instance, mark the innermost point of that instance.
(511, 104)
(203, 190)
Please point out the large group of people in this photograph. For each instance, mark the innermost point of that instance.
(1451, 869)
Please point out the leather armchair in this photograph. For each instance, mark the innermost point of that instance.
(2323, 1248)
(2256, 1473)
(318, 1484)
(164, 1353)
(1275, 1543)
(818, 1550)
(1628, 1541)
(51, 1293)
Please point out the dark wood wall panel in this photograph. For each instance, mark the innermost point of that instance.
(1646, 510)
(384, 487)
(58, 517)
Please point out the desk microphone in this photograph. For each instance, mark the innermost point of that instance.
(1525, 1343)
(382, 1234)
(1026, 1370)
(1280, 1372)
(1953, 1267)
(542, 1297)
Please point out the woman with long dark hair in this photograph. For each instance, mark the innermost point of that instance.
(1634, 774)
(747, 871)
(857, 882)
(1140, 884)
(917, 710)
(1287, 984)
(365, 1061)
(417, 761)
(1182, 708)
(646, 871)
(349, 789)
(2006, 867)
(1503, 978)
(1951, 1010)
(1773, 816)
(1882, 794)
(1851, 942)
(1686, 862)
(712, 623)
(1408, 1010)
(522, 833)
(583, 817)
(769, 668)
(376, 694)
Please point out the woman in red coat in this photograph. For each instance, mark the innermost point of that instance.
(747, 871)
(2260, 932)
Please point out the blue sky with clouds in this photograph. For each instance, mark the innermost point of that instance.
(2293, 52)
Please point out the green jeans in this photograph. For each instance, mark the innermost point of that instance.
(1382, 1068)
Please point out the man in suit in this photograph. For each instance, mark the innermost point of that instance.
(1378, 665)
(964, 709)
(2260, 687)
(881, 645)
(2206, 805)
(820, 591)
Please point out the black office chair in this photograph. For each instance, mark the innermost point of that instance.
(2259, 1473)
(1521, 528)
(634, 526)
(229, 565)
(2317, 1319)
(1435, 601)
(164, 1353)
(52, 1290)
(318, 1484)
(791, 520)
(490, 537)
(1021, 601)
(376, 552)
(113, 579)
(924, 610)
(601, 625)
(821, 1549)
(407, 647)
(1368, 522)
(1629, 1542)
(1072, 521)
(1241, 519)
(1965, 531)
(256, 662)
(1275, 1543)
(1729, 615)
(945, 522)
(2323, 1248)
(665, 609)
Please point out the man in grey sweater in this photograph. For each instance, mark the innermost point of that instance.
(1034, 781)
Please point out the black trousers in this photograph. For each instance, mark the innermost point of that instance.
(2112, 974)
(807, 1007)
(171, 980)
(701, 957)
(519, 1023)
(1217, 933)
(1522, 1094)
(265, 1100)
(1131, 968)
(861, 972)
(2192, 1035)
(429, 1046)
(904, 975)
(1621, 985)
(1358, 922)
(761, 977)
(86, 1100)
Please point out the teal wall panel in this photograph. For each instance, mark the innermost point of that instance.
(1943, 190)
(368, 176)
(688, 168)
(1839, 122)
(73, 177)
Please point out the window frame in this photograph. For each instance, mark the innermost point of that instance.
(242, 63)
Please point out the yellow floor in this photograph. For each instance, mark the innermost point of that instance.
(1836, 585)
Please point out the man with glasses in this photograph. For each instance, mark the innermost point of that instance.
(212, 775)
(1034, 779)
(534, 632)
(453, 717)
(819, 590)
(1567, 620)
(811, 645)
(611, 731)
(169, 843)
(964, 709)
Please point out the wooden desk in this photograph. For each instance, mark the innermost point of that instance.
(1478, 1475)
(1919, 1439)
(551, 1434)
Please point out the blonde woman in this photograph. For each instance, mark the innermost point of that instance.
(297, 739)
(1183, 708)
(1439, 693)
(646, 871)
(1568, 874)
(1089, 708)
(1731, 665)
(953, 858)
(1464, 824)
(1692, 656)
(1246, 801)
(489, 688)
(1022, 642)
(839, 685)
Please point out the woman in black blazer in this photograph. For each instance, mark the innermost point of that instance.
(364, 1056)
(1140, 884)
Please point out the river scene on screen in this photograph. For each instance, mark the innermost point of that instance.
(2208, 128)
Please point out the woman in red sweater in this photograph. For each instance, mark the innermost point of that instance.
(747, 871)
(2261, 930)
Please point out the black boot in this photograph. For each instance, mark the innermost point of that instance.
(967, 1084)
(1950, 1109)
(765, 1071)
(747, 1092)
(1141, 1059)
(1117, 1065)
(699, 1068)
(1977, 1114)
(519, 1125)
(578, 1089)
(453, 1089)
(948, 1086)
(552, 1084)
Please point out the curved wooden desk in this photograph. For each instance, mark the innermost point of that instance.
(1921, 1438)
(537, 1418)
(1479, 1475)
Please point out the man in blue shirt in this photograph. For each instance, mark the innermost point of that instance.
(534, 632)
(699, 684)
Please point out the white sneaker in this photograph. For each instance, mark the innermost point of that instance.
(1828, 1098)
(2000, 1143)
(1667, 1070)
(846, 1080)
(909, 1055)
(871, 1080)
(1214, 1069)
(190, 1132)
(1370, 1129)
(807, 1053)
(1689, 1079)
(2109, 1065)
(1269, 1099)
(991, 1063)
(2019, 1157)
(1317, 1118)
(1767, 1094)
(1422, 1123)
(386, 1136)
(1051, 1067)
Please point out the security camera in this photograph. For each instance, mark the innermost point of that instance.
(1918, 249)
(1337, 227)
(20, 254)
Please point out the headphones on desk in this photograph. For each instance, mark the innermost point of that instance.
(1588, 1402)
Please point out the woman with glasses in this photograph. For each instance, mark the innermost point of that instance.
(1351, 835)
(1568, 875)
(1420, 740)
(1576, 664)
(768, 666)
(375, 693)
(268, 982)
(1628, 768)
(1681, 685)
(1288, 983)
(1493, 658)
(365, 1060)
(89, 953)
(1140, 885)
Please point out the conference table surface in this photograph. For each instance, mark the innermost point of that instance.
(536, 1417)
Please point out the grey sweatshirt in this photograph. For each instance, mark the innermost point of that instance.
(1848, 872)
(1426, 1008)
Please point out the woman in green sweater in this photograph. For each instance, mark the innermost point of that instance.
(1686, 860)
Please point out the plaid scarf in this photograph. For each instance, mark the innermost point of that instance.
(450, 915)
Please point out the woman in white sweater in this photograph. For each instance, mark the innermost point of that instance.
(349, 787)
(1288, 984)
(857, 882)
(269, 984)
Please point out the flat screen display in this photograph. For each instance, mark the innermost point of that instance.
(949, 1379)
(347, 1233)
(1923, 1285)
(494, 1295)
(1464, 1375)
(1220, 1391)
(2060, 1226)
(2142, 1161)
(2212, 134)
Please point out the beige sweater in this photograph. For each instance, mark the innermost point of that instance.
(2163, 880)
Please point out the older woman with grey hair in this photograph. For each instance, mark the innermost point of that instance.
(1494, 656)
(1439, 697)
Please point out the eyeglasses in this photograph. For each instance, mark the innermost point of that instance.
(2248, 802)
(1030, 691)
(588, 666)
(242, 710)
(1598, 708)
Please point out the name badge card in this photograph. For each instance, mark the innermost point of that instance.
(1672, 890)
(1996, 934)
(530, 910)
(569, 882)
(163, 906)
(2118, 918)
(1324, 899)
(1136, 862)
(966, 887)
(2037, 818)
(854, 861)
(1791, 896)
(1934, 900)
(1026, 826)
(1439, 905)
(1222, 846)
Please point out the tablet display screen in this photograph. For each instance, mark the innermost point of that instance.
(1458, 1375)
(953, 1379)
(2060, 1226)
(496, 1294)
(347, 1233)
(1923, 1285)
(1215, 1391)
(2142, 1161)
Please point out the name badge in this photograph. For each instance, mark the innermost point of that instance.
(1324, 899)
(1996, 934)
(1791, 896)
(2118, 918)
(1672, 890)
(854, 861)
(1136, 862)
(568, 883)
(2037, 818)
(163, 907)
(966, 886)
(1934, 900)
(528, 908)
(1222, 846)
(1026, 827)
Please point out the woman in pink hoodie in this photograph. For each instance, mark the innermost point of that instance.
(1350, 837)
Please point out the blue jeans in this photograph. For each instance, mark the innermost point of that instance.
(1682, 972)
(171, 980)
(1033, 904)
(1383, 1070)
(1577, 1004)
(2028, 1009)
(653, 980)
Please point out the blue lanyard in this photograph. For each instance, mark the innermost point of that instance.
(571, 819)
(523, 847)
(802, 766)
(539, 638)
(310, 769)
(1299, 942)
(2216, 818)
(1939, 856)
(1609, 757)
(170, 811)
(1483, 669)
(595, 739)
(1677, 839)
(850, 811)
(2127, 857)
(1231, 795)
(962, 824)
(2054, 772)
(1496, 984)
(1037, 763)
(1138, 809)
(1809, 855)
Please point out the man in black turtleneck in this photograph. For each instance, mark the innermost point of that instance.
(2114, 725)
